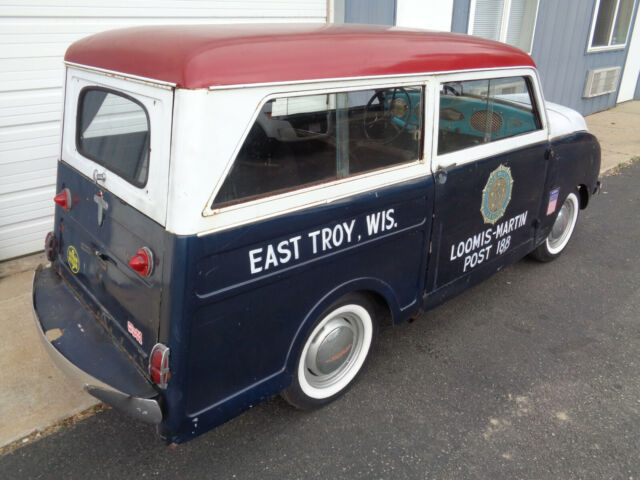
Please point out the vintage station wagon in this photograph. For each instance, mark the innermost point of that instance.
(239, 207)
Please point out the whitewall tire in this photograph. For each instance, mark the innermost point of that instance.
(561, 230)
(334, 353)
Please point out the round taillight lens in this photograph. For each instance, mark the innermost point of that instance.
(51, 246)
(159, 365)
(142, 262)
(64, 199)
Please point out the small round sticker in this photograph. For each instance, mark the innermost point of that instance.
(73, 259)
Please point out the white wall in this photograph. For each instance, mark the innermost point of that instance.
(34, 35)
(632, 65)
(427, 14)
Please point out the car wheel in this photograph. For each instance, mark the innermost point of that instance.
(334, 353)
(561, 231)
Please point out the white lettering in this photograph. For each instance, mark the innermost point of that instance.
(390, 221)
(348, 228)
(372, 223)
(312, 236)
(476, 258)
(254, 259)
(283, 250)
(326, 236)
(271, 258)
(468, 245)
(338, 235)
(296, 251)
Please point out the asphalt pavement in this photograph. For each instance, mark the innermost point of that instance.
(533, 374)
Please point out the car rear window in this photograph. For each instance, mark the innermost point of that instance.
(113, 130)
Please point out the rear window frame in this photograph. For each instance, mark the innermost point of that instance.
(118, 172)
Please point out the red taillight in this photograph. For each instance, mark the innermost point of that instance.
(142, 262)
(159, 365)
(64, 199)
(51, 246)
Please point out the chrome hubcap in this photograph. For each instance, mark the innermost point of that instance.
(559, 230)
(332, 350)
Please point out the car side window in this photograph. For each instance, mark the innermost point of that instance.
(300, 141)
(480, 111)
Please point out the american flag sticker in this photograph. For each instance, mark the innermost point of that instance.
(553, 201)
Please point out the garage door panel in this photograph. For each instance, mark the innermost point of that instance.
(27, 244)
(37, 165)
(22, 132)
(34, 34)
(122, 8)
(31, 153)
(8, 149)
(26, 230)
(27, 181)
(37, 210)
(34, 195)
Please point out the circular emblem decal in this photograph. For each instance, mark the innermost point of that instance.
(73, 259)
(496, 194)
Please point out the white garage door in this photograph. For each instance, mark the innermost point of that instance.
(34, 35)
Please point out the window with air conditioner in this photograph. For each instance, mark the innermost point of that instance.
(601, 81)
(508, 21)
(611, 22)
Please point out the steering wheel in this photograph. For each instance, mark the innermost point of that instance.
(449, 90)
(387, 119)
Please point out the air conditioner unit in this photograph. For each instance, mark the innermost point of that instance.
(601, 81)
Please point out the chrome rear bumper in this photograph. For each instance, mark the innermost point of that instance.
(84, 351)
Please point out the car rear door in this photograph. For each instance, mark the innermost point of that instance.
(115, 165)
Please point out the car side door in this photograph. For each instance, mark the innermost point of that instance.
(489, 164)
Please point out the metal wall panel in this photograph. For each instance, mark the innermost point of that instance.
(34, 35)
(378, 12)
(560, 51)
(460, 20)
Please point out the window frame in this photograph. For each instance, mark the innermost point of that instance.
(271, 205)
(99, 161)
(152, 200)
(496, 147)
(504, 22)
(594, 19)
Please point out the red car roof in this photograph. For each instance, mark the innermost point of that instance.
(200, 56)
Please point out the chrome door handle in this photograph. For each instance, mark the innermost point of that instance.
(99, 176)
(441, 173)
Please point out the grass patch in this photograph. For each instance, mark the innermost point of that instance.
(616, 170)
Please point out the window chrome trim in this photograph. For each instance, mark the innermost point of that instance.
(322, 194)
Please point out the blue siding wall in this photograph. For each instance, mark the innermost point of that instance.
(560, 51)
(378, 12)
(636, 96)
(460, 20)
